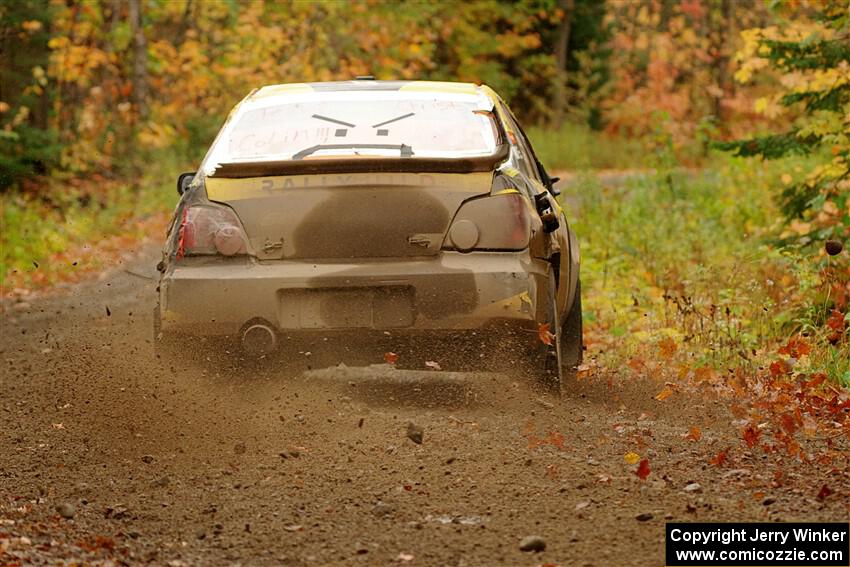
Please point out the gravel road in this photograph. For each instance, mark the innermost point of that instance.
(108, 456)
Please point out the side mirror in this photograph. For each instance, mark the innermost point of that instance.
(184, 180)
(552, 189)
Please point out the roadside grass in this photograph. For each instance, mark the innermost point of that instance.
(576, 147)
(682, 275)
(44, 241)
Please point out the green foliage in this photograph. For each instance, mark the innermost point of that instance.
(36, 230)
(27, 151)
(687, 255)
(577, 147)
(814, 62)
(27, 146)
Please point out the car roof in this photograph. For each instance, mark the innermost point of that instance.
(453, 90)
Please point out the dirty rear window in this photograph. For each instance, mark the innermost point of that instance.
(423, 127)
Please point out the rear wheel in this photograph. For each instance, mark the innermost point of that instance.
(563, 356)
(570, 340)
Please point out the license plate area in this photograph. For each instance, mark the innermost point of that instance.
(378, 307)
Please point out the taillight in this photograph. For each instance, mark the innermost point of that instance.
(497, 222)
(210, 229)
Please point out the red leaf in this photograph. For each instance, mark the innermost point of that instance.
(546, 336)
(824, 492)
(796, 347)
(390, 357)
(836, 320)
(720, 459)
(643, 469)
(751, 435)
(836, 323)
(779, 368)
(789, 424)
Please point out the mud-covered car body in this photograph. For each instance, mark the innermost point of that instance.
(368, 205)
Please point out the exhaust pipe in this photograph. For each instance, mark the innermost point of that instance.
(258, 339)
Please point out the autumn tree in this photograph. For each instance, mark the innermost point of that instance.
(812, 57)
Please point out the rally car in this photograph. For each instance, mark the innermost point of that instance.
(364, 206)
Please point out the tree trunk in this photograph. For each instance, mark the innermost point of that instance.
(562, 53)
(727, 28)
(140, 59)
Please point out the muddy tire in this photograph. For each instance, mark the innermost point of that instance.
(571, 338)
(550, 365)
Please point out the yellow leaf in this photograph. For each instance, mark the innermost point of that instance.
(664, 394)
(31, 26)
(631, 458)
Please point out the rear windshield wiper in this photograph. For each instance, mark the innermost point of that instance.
(404, 150)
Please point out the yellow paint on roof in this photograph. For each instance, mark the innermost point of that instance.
(470, 89)
(441, 87)
(285, 89)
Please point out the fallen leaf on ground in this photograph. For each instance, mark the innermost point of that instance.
(667, 347)
(751, 435)
(556, 439)
(631, 458)
(694, 434)
(664, 394)
(390, 357)
(643, 469)
(433, 365)
(719, 460)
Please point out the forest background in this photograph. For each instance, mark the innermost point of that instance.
(713, 253)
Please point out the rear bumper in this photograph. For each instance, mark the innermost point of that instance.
(452, 291)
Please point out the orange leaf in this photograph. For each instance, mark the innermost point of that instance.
(694, 434)
(631, 458)
(667, 347)
(703, 373)
(546, 337)
(796, 347)
(664, 394)
(720, 459)
(390, 357)
(556, 439)
(643, 469)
